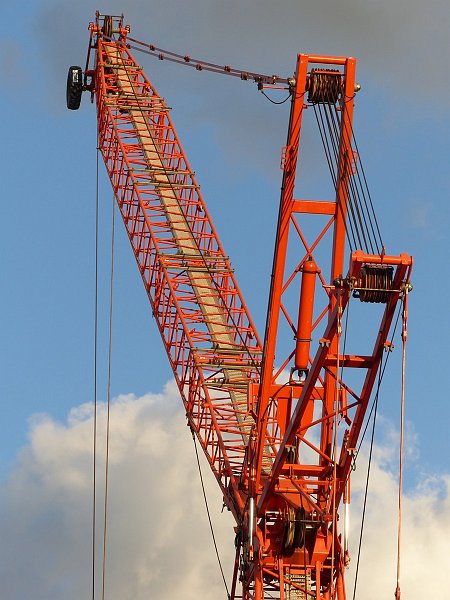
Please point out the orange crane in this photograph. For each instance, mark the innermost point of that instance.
(279, 421)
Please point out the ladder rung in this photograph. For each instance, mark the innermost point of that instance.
(229, 366)
(163, 171)
(169, 186)
(195, 269)
(122, 66)
(154, 99)
(239, 350)
(131, 108)
(193, 256)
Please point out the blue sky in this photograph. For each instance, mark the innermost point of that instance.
(233, 138)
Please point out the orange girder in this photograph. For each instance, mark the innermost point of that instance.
(281, 452)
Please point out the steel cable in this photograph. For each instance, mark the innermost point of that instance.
(343, 174)
(332, 165)
(373, 410)
(402, 427)
(274, 101)
(366, 489)
(338, 137)
(108, 417)
(209, 514)
(201, 65)
(362, 220)
(361, 225)
(353, 199)
(366, 207)
(94, 444)
(364, 180)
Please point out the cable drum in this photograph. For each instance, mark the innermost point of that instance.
(375, 284)
(325, 86)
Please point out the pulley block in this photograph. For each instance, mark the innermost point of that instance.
(374, 284)
(325, 86)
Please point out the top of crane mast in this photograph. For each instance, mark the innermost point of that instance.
(282, 453)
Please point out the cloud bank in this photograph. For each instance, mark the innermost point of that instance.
(425, 525)
(158, 539)
(159, 544)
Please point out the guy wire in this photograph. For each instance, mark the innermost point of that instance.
(209, 515)
(373, 410)
(111, 290)
(94, 448)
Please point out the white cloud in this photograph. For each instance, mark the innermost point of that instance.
(159, 544)
(425, 525)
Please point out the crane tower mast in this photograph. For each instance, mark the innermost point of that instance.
(279, 421)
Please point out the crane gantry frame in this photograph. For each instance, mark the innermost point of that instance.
(281, 452)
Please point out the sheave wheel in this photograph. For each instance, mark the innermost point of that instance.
(74, 88)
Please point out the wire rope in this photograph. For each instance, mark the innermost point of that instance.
(353, 195)
(402, 433)
(329, 151)
(363, 196)
(274, 101)
(202, 65)
(382, 369)
(366, 489)
(337, 132)
(108, 414)
(373, 411)
(370, 201)
(94, 443)
(361, 226)
(209, 514)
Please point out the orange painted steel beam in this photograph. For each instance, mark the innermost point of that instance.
(314, 207)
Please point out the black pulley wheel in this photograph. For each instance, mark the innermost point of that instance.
(74, 88)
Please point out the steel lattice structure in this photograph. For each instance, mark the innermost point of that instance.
(281, 452)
